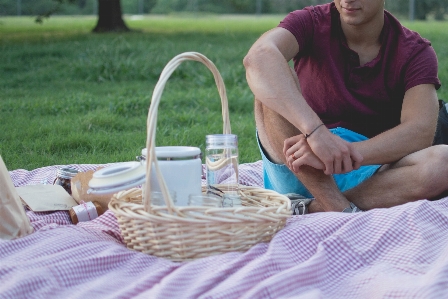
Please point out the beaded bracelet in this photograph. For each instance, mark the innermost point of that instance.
(308, 135)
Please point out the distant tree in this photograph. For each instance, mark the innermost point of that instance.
(285, 6)
(213, 6)
(437, 7)
(110, 16)
(398, 7)
(423, 8)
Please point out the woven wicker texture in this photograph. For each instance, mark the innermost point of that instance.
(186, 233)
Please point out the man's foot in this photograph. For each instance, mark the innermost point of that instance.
(352, 209)
(299, 203)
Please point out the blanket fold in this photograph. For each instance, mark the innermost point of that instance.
(14, 222)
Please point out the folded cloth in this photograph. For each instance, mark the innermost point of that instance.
(14, 222)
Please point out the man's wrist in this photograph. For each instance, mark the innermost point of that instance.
(312, 131)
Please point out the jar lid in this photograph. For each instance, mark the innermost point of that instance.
(175, 152)
(117, 177)
(66, 172)
(221, 141)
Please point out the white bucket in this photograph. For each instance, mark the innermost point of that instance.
(181, 167)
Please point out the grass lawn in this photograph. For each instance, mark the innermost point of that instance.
(68, 96)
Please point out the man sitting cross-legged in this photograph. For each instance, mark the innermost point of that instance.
(372, 84)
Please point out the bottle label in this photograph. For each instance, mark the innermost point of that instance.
(85, 211)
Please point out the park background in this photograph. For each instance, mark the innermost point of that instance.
(72, 96)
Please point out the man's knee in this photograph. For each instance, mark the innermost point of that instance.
(433, 169)
(435, 155)
(273, 121)
(273, 130)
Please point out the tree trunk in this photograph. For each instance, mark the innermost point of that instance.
(110, 17)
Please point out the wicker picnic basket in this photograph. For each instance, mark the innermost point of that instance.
(190, 232)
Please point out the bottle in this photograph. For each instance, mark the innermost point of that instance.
(86, 211)
(64, 177)
(221, 160)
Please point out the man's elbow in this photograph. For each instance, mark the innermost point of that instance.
(426, 136)
(247, 59)
(256, 55)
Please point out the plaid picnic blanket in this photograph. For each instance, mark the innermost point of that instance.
(400, 252)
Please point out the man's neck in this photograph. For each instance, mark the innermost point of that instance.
(364, 35)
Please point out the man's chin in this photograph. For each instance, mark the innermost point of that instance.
(352, 21)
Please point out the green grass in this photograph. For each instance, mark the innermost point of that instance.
(71, 96)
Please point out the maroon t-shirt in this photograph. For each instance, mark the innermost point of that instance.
(366, 99)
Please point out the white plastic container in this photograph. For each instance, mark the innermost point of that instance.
(181, 167)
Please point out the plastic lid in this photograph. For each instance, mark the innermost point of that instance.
(221, 140)
(175, 152)
(117, 177)
(66, 172)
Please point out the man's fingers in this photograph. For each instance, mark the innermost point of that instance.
(289, 160)
(358, 160)
(356, 157)
(289, 143)
(347, 165)
(334, 155)
(307, 160)
(294, 145)
(356, 164)
(337, 165)
(287, 146)
(290, 151)
(328, 167)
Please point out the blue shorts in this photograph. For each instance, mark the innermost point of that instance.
(278, 177)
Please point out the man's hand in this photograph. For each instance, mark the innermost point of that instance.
(298, 153)
(338, 155)
(323, 150)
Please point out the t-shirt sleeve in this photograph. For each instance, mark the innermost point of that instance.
(300, 24)
(422, 69)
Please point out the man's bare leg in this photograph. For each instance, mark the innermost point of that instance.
(420, 175)
(417, 176)
(273, 129)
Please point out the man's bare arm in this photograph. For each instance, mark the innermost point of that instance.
(270, 79)
(415, 132)
(272, 83)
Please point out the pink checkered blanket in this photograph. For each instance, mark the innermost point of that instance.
(401, 252)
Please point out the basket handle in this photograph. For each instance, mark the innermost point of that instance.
(152, 121)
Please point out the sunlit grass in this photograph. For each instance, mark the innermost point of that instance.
(71, 96)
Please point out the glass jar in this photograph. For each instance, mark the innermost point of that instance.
(64, 177)
(231, 200)
(207, 200)
(158, 200)
(221, 159)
